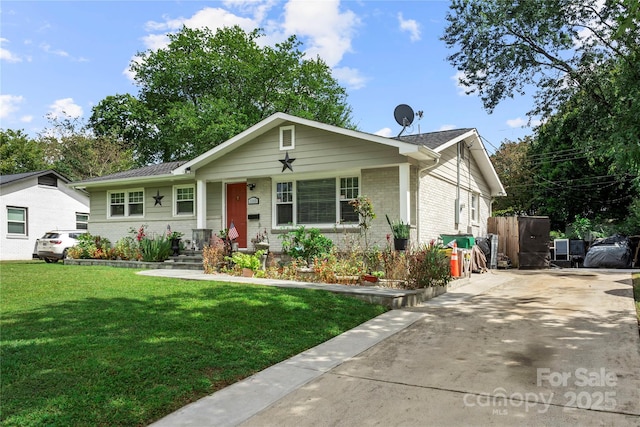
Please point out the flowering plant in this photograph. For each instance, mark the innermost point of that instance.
(173, 235)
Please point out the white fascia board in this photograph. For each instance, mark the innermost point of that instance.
(471, 133)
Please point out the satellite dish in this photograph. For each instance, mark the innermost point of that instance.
(404, 116)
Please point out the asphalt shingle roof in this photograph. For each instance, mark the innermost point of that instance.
(151, 170)
(6, 179)
(433, 140)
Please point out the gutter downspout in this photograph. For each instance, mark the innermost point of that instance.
(457, 207)
(418, 216)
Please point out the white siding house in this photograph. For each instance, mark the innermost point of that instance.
(33, 203)
(287, 171)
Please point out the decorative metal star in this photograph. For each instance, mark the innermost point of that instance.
(158, 199)
(286, 162)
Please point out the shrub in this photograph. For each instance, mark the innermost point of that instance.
(89, 247)
(213, 254)
(127, 248)
(305, 244)
(428, 266)
(250, 261)
(155, 250)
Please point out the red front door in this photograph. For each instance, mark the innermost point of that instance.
(237, 210)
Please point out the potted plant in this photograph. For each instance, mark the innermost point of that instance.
(249, 263)
(174, 237)
(400, 232)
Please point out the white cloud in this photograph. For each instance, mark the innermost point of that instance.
(520, 122)
(350, 77)
(59, 52)
(326, 30)
(446, 127)
(208, 17)
(411, 26)
(65, 107)
(386, 132)
(7, 55)
(155, 41)
(9, 104)
(464, 90)
(26, 119)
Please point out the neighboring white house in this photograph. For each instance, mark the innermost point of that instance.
(288, 171)
(34, 203)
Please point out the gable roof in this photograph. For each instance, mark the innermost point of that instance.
(434, 140)
(415, 151)
(421, 147)
(440, 141)
(8, 179)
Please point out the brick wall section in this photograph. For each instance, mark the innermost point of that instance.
(381, 185)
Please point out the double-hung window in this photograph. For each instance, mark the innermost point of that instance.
(126, 203)
(82, 221)
(319, 201)
(474, 207)
(185, 200)
(16, 221)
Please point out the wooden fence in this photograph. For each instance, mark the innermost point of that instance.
(508, 236)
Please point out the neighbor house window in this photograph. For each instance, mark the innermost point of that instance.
(316, 201)
(17, 221)
(185, 200)
(126, 203)
(82, 221)
(287, 137)
(474, 207)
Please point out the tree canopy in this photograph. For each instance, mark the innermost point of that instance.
(205, 87)
(586, 52)
(19, 153)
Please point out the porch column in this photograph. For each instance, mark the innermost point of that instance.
(405, 195)
(201, 204)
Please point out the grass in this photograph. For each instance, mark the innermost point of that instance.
(104, 346)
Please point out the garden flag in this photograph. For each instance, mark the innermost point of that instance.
(233, 233)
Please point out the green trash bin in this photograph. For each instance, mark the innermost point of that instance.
(464, 241)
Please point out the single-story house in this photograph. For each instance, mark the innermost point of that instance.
(34, 203)
(287, 171)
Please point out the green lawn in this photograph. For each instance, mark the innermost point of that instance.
(104, 346)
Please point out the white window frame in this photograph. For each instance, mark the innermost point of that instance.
(78, 222)
(127, 202)
(283, 129)
(294, 181)
(475, 208)
(24, 222)
(176, 188)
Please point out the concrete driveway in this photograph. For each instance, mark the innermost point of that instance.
(541, 348)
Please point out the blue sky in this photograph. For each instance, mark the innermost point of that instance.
(63, 57)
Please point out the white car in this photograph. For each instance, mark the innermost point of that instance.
(54, 244)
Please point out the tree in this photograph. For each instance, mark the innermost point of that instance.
(206, 87)
(563, 48)
(19, 153)
(74, 151)
(574, 178)
(512, 166)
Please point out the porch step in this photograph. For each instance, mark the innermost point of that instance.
(188, 260)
